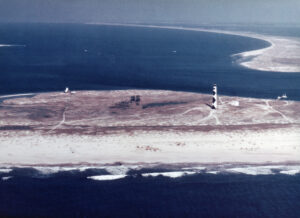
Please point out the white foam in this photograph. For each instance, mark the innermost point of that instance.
(290, 172)
(5, 170)
(107, 177)
(5, 45)
(51, 170)
(250, 170)
(265, 170)
(169, 174)
(55, 169)
(16, 95)
(212, 172)
(194, 168)
(11, 45)
(6, 178)
(114, 170)
(117, 170)
(123, 169)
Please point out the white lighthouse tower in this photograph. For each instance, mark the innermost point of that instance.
(214, 100)
(67, 90)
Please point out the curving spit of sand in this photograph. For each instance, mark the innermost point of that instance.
(282, 55)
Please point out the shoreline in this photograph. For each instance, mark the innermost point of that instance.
(166, 127)
(283, 54)
(122, 170)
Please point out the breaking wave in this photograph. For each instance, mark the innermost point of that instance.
(11, 45)
(106, 173)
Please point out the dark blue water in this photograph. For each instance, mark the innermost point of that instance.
(104, 57)
(71, 194)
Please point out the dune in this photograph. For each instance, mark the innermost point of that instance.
(105, 127)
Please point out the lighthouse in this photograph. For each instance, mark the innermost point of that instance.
(67, 90)
(214, 100)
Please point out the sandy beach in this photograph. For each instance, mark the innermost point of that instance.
(105, 127)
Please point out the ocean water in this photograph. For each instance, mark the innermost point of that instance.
(88, 57)
(31, 193)
(113, 57)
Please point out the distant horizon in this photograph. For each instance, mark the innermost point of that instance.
(151, 11)
(159, 23)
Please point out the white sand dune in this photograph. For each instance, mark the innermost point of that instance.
(283, 54)
(98, 130)
(215, 147)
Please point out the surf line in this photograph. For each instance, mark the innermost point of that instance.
(11, 45)
(16, 95)
(282, 54)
